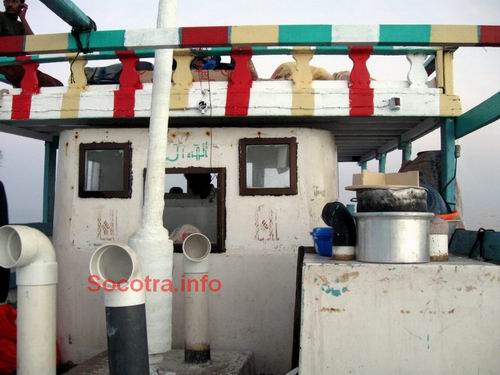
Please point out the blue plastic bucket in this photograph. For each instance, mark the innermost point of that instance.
(323, 241)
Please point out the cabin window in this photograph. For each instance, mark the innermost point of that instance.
(105, 170)
(195, 202)
(268, 166)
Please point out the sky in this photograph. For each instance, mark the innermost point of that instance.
(477, 77)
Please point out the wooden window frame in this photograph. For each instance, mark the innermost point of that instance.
(220, 246)
(292, 149)
(126, 192)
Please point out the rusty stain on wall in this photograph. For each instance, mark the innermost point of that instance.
(331, 309)
(317, 192)
(347, 276)
(266, 224)
(107, 225)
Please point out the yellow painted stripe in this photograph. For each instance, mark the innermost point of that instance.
(35, 43)
(449, 106)
(70, 107)
(254, 34)
(303, 103)
(182, 81)
(303, 93)
(454, 34)
(71, 104)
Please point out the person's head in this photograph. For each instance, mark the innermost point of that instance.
(13, 6)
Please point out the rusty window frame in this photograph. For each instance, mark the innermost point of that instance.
(220, 246)
(292, 149)
(126, 192)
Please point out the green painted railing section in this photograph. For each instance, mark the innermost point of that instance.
(405, 34)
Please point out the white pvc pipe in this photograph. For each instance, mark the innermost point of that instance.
(196, 249)
(116, 269)
(151, 242)
(119, 265)
(32, 254)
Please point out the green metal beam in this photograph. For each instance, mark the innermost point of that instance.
(406, 151)
(49, 181)
(70, 13)
(363, 165)
(382, 158)
(448, 162)
(478, 117)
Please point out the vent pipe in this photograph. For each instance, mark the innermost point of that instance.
(115, 269)
(31, 253)
(196, 249)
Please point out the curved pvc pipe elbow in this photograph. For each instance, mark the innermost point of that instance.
(196, 249)
(114, 268)
(30, 252)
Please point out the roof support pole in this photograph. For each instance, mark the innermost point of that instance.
(381, 162)
(406, 151)
(49, 183)
(71, 14)
(448, 161)
(363, 165)
(151, 242)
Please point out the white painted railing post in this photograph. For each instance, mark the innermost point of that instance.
(417, 75)
(151, 242)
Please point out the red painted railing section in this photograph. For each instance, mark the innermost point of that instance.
(124, 99)
(360, 92)
(11, 44)
(240, 83)
(490, 34)
(204, 36)
(21, 104)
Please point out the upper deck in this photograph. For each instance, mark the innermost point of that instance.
(368, 116)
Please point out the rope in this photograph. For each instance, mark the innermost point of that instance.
(81, 49)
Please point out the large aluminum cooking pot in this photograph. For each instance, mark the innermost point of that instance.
(407, 199)
(393, 237)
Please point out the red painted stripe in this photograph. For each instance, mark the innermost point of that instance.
(11, 44)
(21, 104)
(240, 83)
(360, 93)
(204, 36)
(490, 35)
(124, 97)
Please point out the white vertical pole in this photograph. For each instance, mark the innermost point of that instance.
(151, 242)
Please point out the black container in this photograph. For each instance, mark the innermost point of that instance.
(412, 199)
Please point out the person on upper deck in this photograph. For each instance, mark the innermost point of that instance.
(10, 26)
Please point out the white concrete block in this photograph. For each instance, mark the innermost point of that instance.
(435, 318)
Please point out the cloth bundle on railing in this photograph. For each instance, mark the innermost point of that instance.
(105, 75)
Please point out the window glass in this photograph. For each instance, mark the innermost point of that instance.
(104, 170)
(268, 166)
